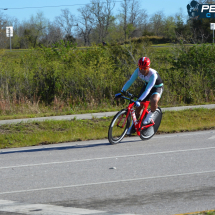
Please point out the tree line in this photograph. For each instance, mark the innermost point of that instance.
(96, 23)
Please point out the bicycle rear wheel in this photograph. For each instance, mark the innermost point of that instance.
(116, 132)
(148, 133)
(157, 119)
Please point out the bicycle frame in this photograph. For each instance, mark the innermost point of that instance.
(137, 123)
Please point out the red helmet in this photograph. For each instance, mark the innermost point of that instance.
(144, 62)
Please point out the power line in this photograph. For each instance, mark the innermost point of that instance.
(21, 8)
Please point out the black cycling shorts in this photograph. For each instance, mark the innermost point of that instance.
(154, 90)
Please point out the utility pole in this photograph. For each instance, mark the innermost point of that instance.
(212, 25)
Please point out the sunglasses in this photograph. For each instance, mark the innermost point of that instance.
(143, 67)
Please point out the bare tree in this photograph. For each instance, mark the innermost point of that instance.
(102, 12)
(203, 35)
(85, 25)
(66, 21)
(125, 15)
(3, 24)
(137, 15)
(133, 17)
(53, 35)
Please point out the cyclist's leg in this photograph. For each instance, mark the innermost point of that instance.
(154, 102)
(155, 96)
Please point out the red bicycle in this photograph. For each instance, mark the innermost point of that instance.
(122, 120)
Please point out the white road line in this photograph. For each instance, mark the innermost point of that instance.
(107, 182)
(211, 138)
(38, 209)
(104, 158)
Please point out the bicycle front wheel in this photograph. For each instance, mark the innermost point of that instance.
(118, 127)
(148, 133)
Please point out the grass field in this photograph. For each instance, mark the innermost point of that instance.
(50, 132)
(210, 212)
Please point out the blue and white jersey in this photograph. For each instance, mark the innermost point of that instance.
(153, 79)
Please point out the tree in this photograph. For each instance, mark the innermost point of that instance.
(137, 16)
(115, 32)
(201, 30)
(66, 21)
(132, 17)
(169, 27)
(3, 24)
(102, 12)
(37, 27)
(86, 23)
(54, 34)
(183, 32)
(32, 31)
(125, 16)
(157, 23)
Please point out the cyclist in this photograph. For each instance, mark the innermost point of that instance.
(151, 91)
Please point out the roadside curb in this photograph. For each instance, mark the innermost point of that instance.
(93, 115)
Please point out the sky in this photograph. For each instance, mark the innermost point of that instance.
(24, 9)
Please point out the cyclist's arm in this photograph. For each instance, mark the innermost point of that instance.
(131, 80)
(149, 86)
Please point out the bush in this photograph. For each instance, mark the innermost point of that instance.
(94, 75)
(192, 74)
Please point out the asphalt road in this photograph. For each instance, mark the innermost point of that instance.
(168, 174)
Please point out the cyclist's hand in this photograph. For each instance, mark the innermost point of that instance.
(123, 92)
(126, 93)
(118, 95)
(137, 103)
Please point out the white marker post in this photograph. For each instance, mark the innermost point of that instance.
(212, 25)
(9, 33)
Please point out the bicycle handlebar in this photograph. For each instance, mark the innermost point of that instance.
(129, 95)
(128, 99)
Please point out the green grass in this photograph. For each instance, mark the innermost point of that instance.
(50, 132)
(210, 212)
(187, 120)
